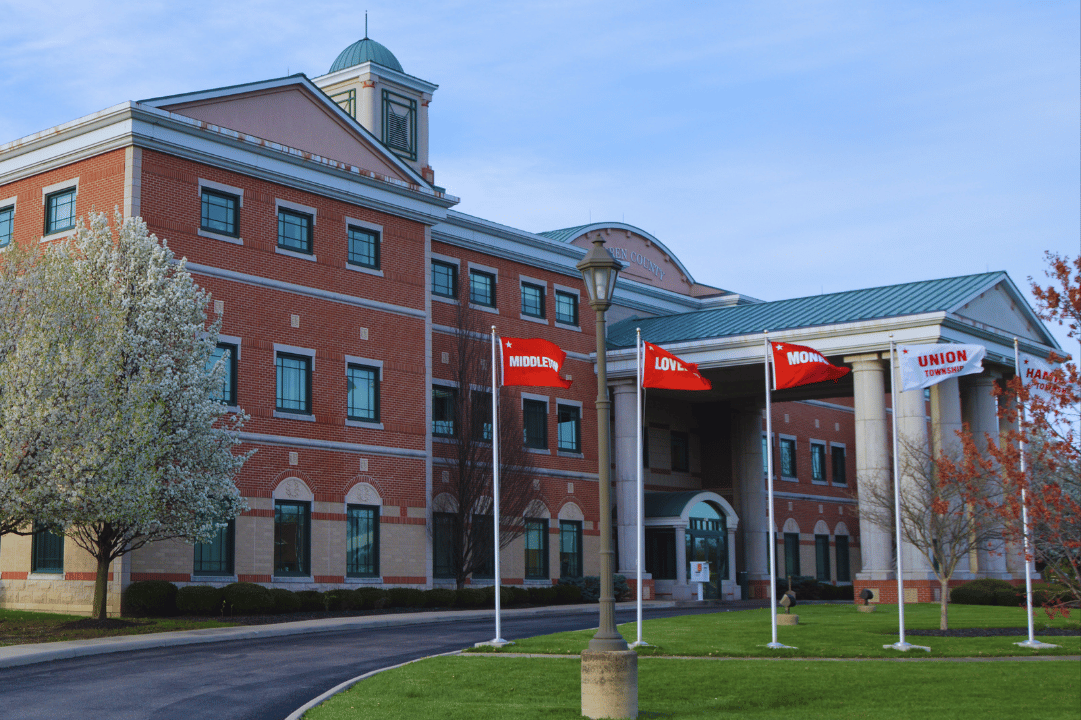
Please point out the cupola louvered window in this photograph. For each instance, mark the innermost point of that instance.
(400, 124)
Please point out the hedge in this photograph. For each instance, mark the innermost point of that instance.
(199, 600)
(285, 601)
(247, 599)
(149, 598)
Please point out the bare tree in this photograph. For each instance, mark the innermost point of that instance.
(949, 510)
(464, 415)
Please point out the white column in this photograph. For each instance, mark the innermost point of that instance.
(681, 591)
(625, 454)
(980, 410)
(872, 460)
(914, 447)
(945, 424)
(752, 494)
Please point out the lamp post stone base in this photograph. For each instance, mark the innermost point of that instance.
(609, 684)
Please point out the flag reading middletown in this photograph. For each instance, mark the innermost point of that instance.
(662, 369)
(532, 362)
(795, 365)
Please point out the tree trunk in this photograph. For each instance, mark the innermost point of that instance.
(944, 620)
(101, 586)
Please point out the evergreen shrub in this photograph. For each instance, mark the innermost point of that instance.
(149, 598)
(285, 601)
(199, 600)
(245, 598)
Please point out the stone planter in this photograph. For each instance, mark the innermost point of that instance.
(865, 608)
(787, 619)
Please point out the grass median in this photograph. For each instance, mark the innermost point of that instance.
(20, 627)
(717, 666)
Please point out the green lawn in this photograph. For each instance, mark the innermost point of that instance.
(825, 631)
(19, 627)
(480, 687)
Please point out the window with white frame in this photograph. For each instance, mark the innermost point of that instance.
(788, 457)
(818, 462)
(837, 455)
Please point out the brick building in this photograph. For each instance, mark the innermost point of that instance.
(308, 208)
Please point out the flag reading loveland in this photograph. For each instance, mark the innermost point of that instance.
(925, 365)
(662, 369)
(532, 362)
(795, 365)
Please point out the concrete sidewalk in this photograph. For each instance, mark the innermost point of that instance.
(15, 655)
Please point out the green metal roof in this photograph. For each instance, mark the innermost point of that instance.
(667, 504)
(366, 50)
(565, 234)
(853, 306)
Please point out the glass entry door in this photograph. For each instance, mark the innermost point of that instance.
(707, 541)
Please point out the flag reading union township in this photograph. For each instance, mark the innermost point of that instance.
(532, 362)
(925, 365)
(662, 369)
(795, 365)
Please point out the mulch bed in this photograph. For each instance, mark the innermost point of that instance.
(996, 632)
(106, 624)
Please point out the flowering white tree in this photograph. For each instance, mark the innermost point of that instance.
(110, 431)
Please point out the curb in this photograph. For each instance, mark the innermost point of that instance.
(17, 655)
(342, 687)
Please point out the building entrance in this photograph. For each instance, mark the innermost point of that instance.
(707, 541)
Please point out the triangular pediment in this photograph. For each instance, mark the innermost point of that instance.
(293, 113)
(1000, 307)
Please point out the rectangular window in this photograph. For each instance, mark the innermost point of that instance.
(292, 538)
(363, 247)
(791, 554)
(400, 124)
(818, 463)
(838, 456)
(822, 558)
(362, 541)
(484, 547)
(482, 288)
(7, 225)
(294, 231)
(566, 308)
(444, 279)
(570, 428)
(60, 211)
(47, 552)
(216, 557)
(570, 548)
(294, 383)
(444, 540)
(362, 401)
(219, 213)
(444, 400)
(788, 457)
(843, 572)
(535, 424)
(532, 300)
(765, 455)
(226, 353)
(536, 549)
(680, 452)
(482, 415)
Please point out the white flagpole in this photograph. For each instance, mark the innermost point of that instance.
(771, 543)
(900, 644)
(640, 551)
(1032, 642)
(498, 641)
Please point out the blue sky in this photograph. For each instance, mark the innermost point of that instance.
(780, 149)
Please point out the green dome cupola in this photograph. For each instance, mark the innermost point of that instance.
(366, 50)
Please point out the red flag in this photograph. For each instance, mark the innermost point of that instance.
(795, 365)
(662, 369)
(533, 362)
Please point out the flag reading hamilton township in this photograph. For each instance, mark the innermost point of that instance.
(532, 362)
(925, 365)
(662, 369)
(795, 365)
(1039, 377)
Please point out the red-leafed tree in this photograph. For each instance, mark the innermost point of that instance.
(1048, 426)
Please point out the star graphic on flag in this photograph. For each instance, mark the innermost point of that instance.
(508, 343)
(904, 351)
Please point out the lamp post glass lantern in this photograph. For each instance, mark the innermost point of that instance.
(599, 270)
(609, 667)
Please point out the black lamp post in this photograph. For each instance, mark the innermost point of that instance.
(609, 667)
